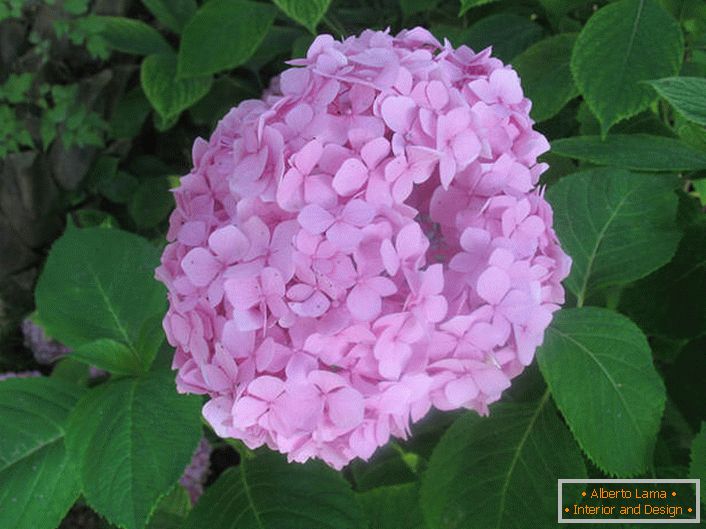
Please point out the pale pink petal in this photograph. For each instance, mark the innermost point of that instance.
(315, 219)
(200, 266)
(493, 284)
(350, 177)
(364, 303)
(398, 112)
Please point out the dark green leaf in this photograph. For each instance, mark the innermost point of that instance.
(598, 366)
(38, 484)
(222, 35)
(670, 302)
(545, 74)
(169, 95)
(500, 472)
(640, 152)
(470, 4)
(393, 507)
(412, 7)
(174, 14)
(112, 356)
(686, 94)
(132, 439)
(386, 467)
(595, 217)
(129, 114)
(98, 284)
(697, 468)
(624, 43)
(130, 35)
(118, 187)
(308, 13)
(151, 203)
(268, 493)
(508, 34)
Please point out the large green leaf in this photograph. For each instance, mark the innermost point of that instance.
(130, 35)
(598, 366)
(268, 493)
(174, 14)
(545, 74)
(38, 484)
(596, 216)
(167, 94)
(622, 44)
(507, 33)
(670, 302)
(686, 94)
(151, 202)
(697, 467)
(132, 439)
(99, 284)
(500, 472)
(222, 35)
(470, 4)
(308, 13)
(412, 7)
(640, 152)
(393, 507)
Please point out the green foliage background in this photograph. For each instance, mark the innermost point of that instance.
(99, 104)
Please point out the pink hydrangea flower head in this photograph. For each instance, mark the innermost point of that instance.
(365, 242)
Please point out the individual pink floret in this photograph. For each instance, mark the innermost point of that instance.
(365, 242)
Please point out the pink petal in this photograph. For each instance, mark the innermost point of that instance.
(229, 243)
(346, 408)
(350, 177)
(200, 266)
(398, 112)
(374, 152)
(493, 284)
(461, 391)
(358, 213)
(247, 410)
(315, 219)
(364, 303)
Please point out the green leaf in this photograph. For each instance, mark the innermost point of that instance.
(412, 7)
(38, 484)
(112, 356)
(508, 34)
(640, 152)
(174, 14)
(386, 467)
(151, 203)
(500, 472)
(545, 74)
(167, 94)
(392, 507)
(222, 35)
(697, 468)
(130, 35)
(129, 114)
(686, 94)
(99, 284)
(670, 301)
(118, 187)
(132, 439)
(598, 366)
(266, 492)
(308, 13)
(622, 44)
(470, 4)
(172, 510)
(595, 214)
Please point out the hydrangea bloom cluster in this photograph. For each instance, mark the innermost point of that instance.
(360, 245)
(196, 472)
